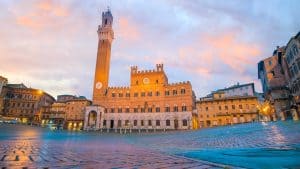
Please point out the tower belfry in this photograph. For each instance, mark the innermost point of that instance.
(105, 38)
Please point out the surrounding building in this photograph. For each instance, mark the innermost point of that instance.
(67, 112)
(3, 82)
(239, 90)
(220, 108)
(75, 113)
(150, 102)
(65, 97)
(292, 57)
(54, 115)
(271, 72)
(23, 103)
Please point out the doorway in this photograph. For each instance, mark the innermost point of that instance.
(176, 124)
(111, 124)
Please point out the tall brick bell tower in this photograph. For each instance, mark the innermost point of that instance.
(105, 38)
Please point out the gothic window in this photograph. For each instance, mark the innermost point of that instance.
(119, 110)
(240, 106)
(233, 107)
(167, 93)
(157, 109)
(127, 110)
(135, 122)
(167, 109)
(119, 123)
(206, 108)
(182, 91)
(113, 95)
(142, 122)
(157, 122)
(184, 108)
(127, 94)
(104, 122)
(112, 110)
(174, 92)
(120, 94)
(143, 110)
(226, 107)
(149, 123)
(150, 109)
(143, 94)
(175, 108)
(127, 123)
(136, 94)
(149, 93)
(136, 82)
(105, 21)
(157, 93)
(184, 122)
(168, 123)
(220, 108)
(135, 110)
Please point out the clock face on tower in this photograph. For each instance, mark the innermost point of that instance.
(146, 80)
(98, 85)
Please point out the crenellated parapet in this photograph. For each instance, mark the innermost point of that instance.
(133, 69)
(179, 83)
(119, 88)
(146, 71)
(159, 68)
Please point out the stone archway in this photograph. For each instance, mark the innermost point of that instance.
(92, 119)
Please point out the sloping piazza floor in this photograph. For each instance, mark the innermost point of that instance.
(253, 145)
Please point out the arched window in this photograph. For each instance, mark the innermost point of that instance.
(168, 122)
(135, 122)
(184, 122)
(157, 122)
(167, 108)
(175, 109)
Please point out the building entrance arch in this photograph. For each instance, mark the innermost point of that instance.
(93, 118)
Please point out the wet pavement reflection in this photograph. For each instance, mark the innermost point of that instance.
(254, 145)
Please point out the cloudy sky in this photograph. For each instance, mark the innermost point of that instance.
(52, 45)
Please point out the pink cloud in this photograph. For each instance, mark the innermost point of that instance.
(51, 7)
(42, 15)
(127, 29)
(231, 51)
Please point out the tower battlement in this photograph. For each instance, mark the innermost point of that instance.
(159, 68)
(119, 87)
(180, 83)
